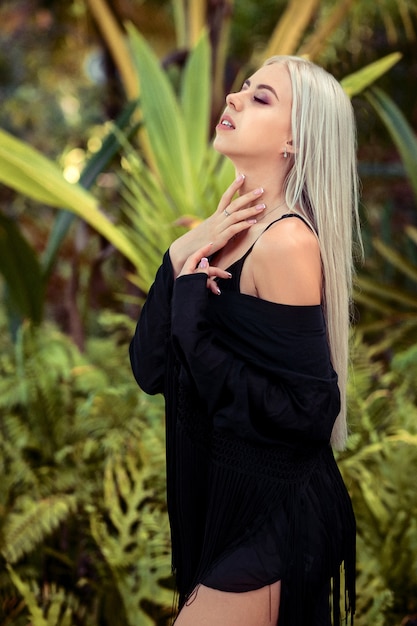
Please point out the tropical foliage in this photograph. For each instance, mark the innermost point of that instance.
(82, 496)
(376, 467)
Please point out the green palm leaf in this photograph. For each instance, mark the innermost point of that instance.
(399, 129)
(195, 102)
(28, 172)
(95, 165)
(22, 273)
(164, 124)
(358, 81)
(397, 260)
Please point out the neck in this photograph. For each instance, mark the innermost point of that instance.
(272, 182)
(282, 205)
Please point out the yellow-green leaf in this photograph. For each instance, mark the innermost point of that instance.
(363, 78)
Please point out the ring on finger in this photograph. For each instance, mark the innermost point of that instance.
(226, 212)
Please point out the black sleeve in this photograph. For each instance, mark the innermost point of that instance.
(237, 394)
(149, 344)
(210, 367)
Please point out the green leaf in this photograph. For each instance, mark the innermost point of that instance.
(195, 100)
(372, 304)
(29, 596)
(386, 292)
(412, 233)
(360, 80)
(49, 606)
(21, 271)
(396, 259)
(400, 130)
(27, 171)
(95, 165)
(164, 124)
(25, 529)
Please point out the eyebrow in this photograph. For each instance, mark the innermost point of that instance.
(263, 86)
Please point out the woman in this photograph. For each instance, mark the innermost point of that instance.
(245, 332)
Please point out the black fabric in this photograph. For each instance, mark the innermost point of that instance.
(254, 493)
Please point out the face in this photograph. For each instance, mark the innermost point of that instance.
(256, 122)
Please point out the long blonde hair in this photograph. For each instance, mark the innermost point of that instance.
(322, 184)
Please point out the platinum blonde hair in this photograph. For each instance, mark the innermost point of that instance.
(322, 185)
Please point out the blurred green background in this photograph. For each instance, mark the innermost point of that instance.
(106, 118)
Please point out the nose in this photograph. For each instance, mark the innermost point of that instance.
(233, 101)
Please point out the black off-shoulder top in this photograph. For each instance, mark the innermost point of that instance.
(254, 492)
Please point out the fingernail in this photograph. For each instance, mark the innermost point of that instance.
(260, 207)
(258, 192)
(203, 263)
(240, 177)
(229, 274)
(218, 291)
(252, 221)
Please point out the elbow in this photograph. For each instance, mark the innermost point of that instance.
(147, 376)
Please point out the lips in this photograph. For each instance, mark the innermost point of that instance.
(226, 122)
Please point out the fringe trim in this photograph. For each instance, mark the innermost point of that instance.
(217, 503)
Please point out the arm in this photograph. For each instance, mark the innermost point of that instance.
(255, 401)
(232, 216)
(303, 399)
(148, 348)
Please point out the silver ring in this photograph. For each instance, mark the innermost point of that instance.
(226, 213)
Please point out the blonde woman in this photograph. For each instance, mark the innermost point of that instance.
(245, 332)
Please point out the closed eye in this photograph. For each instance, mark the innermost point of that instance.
(260, 100)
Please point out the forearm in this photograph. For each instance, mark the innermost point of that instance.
(187, 244)
(148, 348)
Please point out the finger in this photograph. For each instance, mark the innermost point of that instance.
(198, 262)
(249, 202)
(216, 272)
(249, 214)
(213, 286)
(227, 197)
(211, 282)
(203, 263)
(195, 259)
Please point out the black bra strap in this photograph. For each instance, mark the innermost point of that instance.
(243, 258)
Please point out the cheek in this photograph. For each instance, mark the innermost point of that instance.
(270, 136)
(277, 133)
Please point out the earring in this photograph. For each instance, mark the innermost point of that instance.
(285, 154)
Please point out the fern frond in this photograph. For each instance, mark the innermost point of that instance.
(24, 529)
(49, 606)
(134, 539)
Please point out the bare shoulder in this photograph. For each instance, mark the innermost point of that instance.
(286, 264)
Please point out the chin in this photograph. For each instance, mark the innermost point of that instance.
(220, 147)
(216, 145)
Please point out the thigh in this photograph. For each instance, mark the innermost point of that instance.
(210, 607)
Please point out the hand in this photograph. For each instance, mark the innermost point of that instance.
(231, 217)
(234, 215)
(198, 263)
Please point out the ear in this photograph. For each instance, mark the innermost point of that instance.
(289, 147)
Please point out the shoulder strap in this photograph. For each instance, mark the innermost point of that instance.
(269, 226)
(300, 217)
